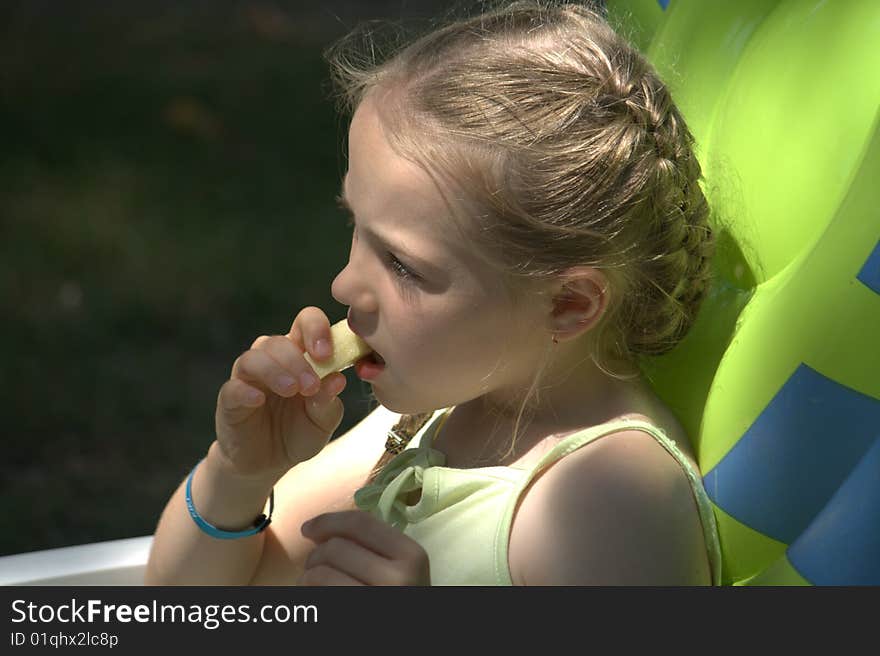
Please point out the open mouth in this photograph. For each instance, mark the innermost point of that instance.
(370, 367)
(373, 358)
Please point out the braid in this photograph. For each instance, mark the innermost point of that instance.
(677, 273)
(398, 437)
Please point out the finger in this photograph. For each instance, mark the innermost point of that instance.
(365, 529)
(237, 400)
(311, 332)
(325, 410)
(282, 349)
(261, 370)
(352, 559)
(324, 575)
(259, 341)
(330, 387)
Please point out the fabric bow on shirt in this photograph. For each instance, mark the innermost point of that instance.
(386, 496)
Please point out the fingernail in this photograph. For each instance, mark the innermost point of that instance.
(322, 348)
(285, 382)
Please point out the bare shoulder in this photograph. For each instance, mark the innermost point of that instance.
(325, 483)
(617, 511)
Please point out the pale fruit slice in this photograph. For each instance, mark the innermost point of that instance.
(348, 348)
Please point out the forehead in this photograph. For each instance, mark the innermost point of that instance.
(379, 178)
(398, 196)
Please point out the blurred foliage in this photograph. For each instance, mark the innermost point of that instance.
(167, 173)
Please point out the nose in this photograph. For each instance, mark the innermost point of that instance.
(352, 289)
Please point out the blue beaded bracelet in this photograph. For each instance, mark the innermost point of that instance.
(260, 523)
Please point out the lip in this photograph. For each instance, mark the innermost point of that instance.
(368, 371)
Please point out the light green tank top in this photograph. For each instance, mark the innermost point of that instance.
(463, 516)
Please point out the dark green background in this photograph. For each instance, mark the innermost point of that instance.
(167, 174)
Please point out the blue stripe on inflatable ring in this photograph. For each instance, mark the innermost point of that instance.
(842, 545)
(790, 462)
(870, 273)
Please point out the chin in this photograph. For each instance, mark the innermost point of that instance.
(404, 406)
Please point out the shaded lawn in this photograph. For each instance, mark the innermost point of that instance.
(166, 195)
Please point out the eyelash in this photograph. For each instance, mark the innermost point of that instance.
(400, 270)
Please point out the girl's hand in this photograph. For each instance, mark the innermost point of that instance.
(270, 416)
(356, 548)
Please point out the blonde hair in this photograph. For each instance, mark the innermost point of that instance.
(561, 147)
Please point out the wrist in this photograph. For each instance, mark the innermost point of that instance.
(224, 500)
(260, 523)
(222, 467)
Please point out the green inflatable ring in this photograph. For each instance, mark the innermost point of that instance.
(779, 382)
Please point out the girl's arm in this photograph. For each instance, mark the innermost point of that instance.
(183, 555)
(617, 511)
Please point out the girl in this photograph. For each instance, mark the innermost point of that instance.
(527, 223)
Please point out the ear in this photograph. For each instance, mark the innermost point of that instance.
(581, 297)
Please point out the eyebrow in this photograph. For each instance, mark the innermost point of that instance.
(419, 262)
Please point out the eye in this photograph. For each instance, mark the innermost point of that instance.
(349, 217)
(400, 269)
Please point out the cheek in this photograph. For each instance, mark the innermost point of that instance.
(463, 342)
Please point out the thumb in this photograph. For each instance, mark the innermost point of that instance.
(325, 409)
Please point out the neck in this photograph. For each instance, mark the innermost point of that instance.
(571, 391)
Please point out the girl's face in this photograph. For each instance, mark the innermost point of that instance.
(434, 311)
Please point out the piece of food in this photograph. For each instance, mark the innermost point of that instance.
(348, 348)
